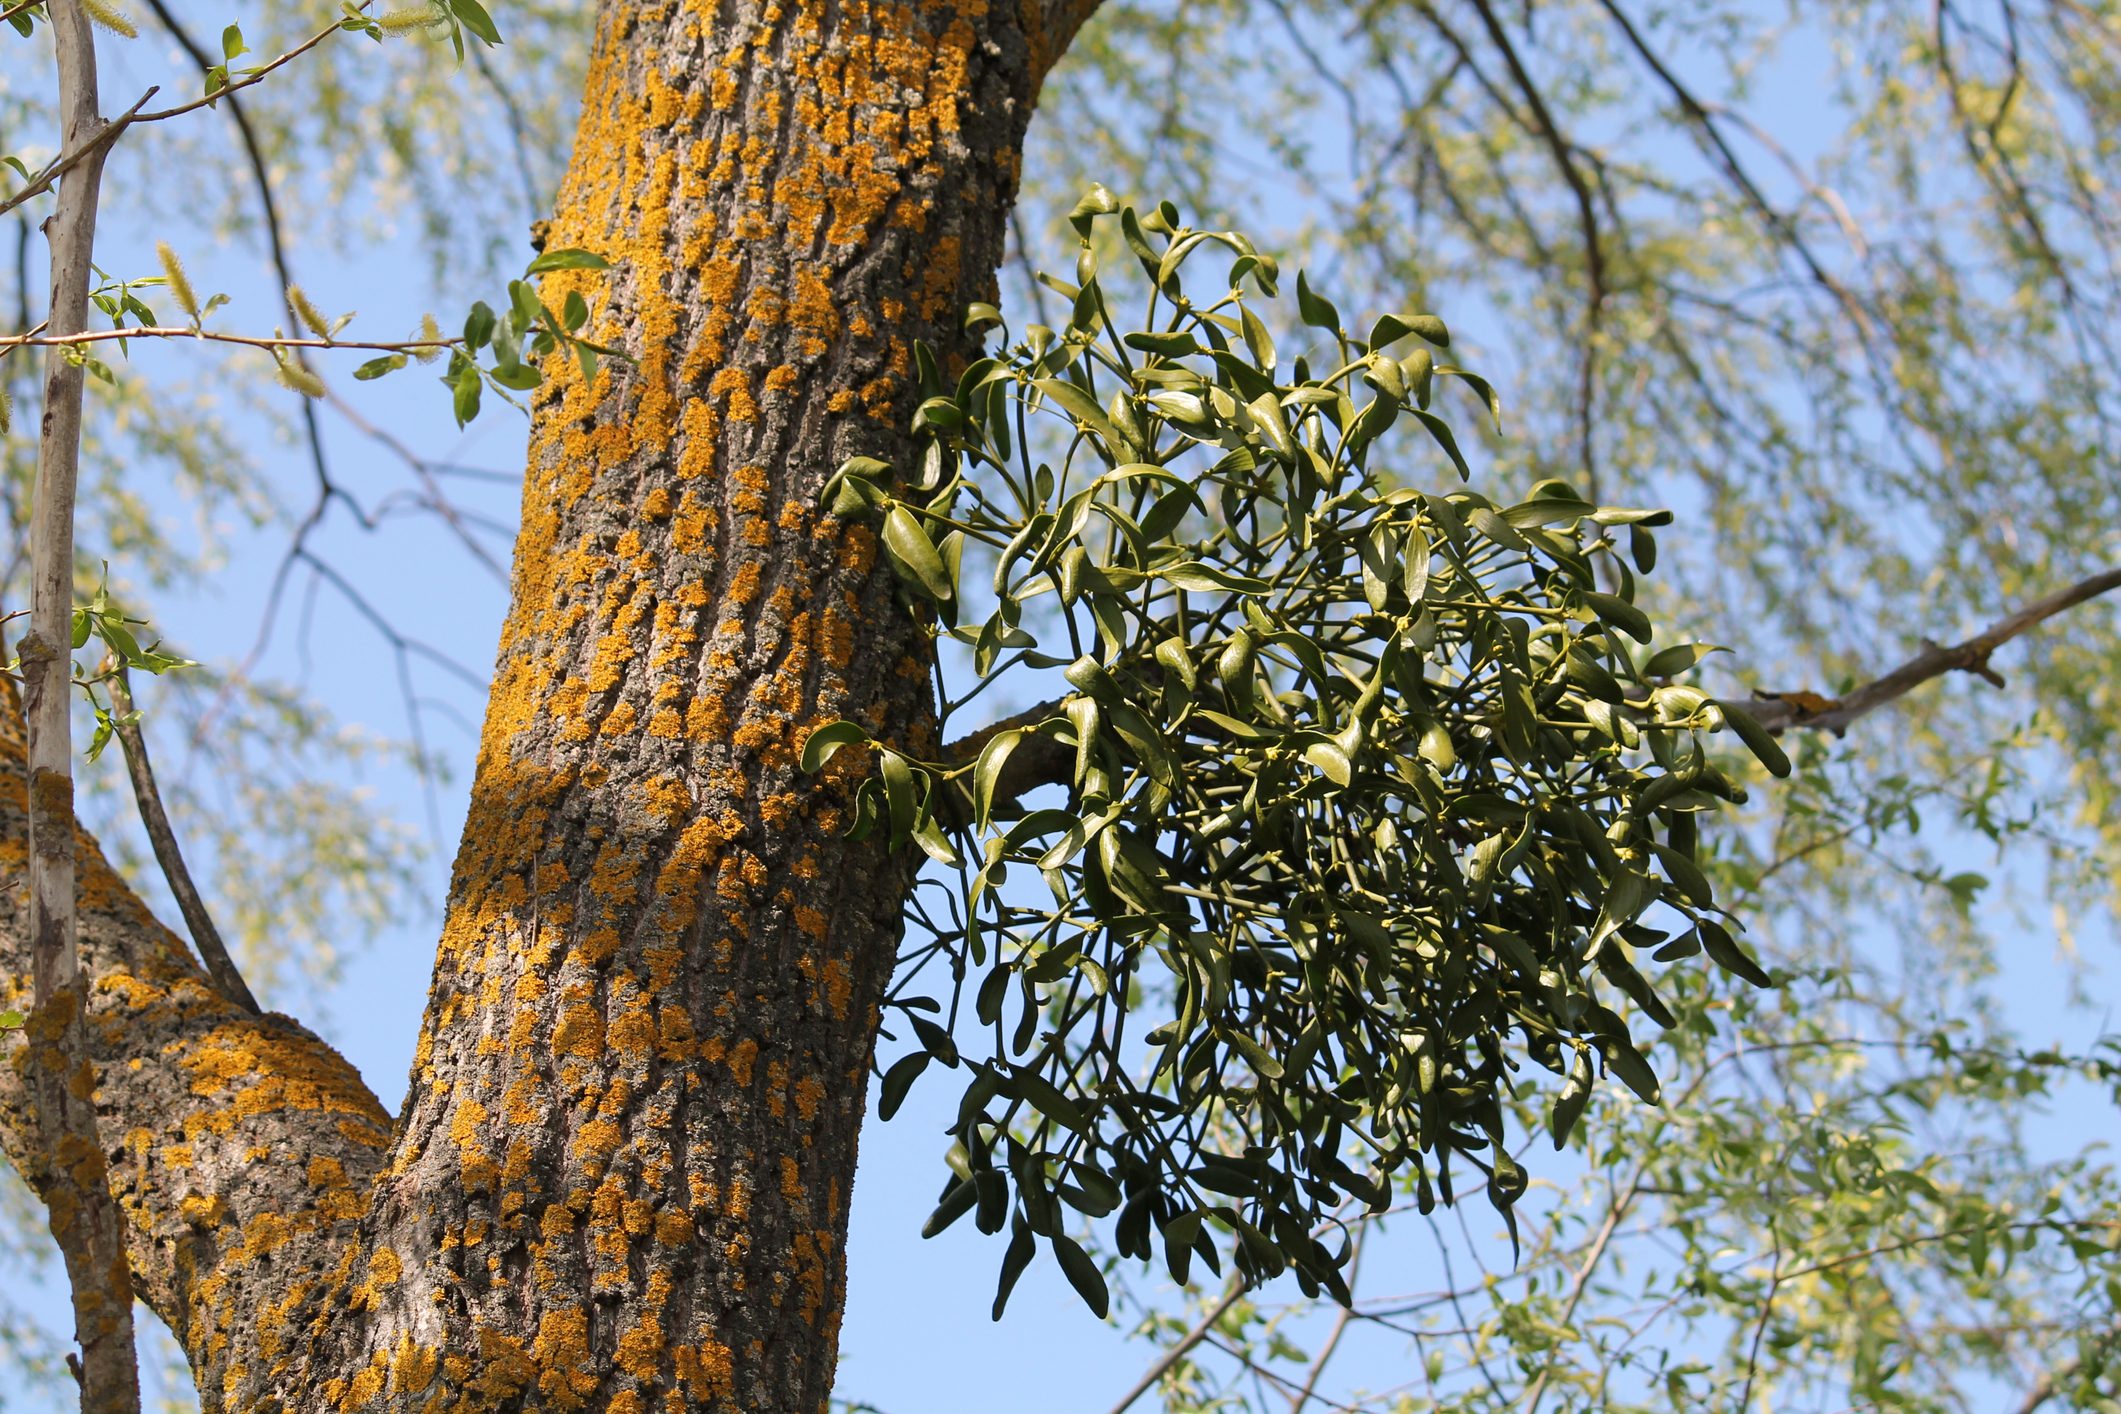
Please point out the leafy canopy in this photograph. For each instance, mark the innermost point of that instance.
(1356, 792)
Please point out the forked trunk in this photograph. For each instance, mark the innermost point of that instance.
(622, 1177)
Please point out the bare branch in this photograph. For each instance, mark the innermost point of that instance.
(255, 341)
(1037, 761)
(94, 144)
(1593, 245)
(1186, 1343)
(163, 838)
(1781, 711)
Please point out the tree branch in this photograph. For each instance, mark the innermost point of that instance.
(163, 838)
(255, 341)
(1780, 712)
(1037, 761)
(72, 1180)
(1186, 1343)
(244, 1146)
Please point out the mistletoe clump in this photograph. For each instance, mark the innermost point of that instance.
(1354, 793)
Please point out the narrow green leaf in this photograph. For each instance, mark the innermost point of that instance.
(992, 758)
(571, 258)
(1757, 738)
(1022, 1247)
(914, 555)
(898, 1081)
(1082, 1274)
(820, 745)
(1315, 309)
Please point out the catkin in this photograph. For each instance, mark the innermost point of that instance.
(407, 20)
(109, 16)
(295, 376)
(430, 334)
(179, 283)
(306, 311)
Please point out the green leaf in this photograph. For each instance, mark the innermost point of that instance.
(1258, 341)
(10, 1020)
(377, 367)
(1481, 388)
(468, 388)
(1726, 953)
(1331, 760)
(1569, 1104)
(1072, 399)
(1022, 1247)
(1192, 574)
(1315, 309)
(101, 736)
(898, 1081)
(478, 327)
(992, 758)
(473, 17)
(1095, 202)
(1547, 510)
(901, 793)
(1176, 344)
(1625, 900)
(914, 555)
(1429, 327)
(1757, 738)
(1441, 431)
(1677, 659)
(956, 1203)
(1082, 1274)
(1619, 613)
(1625, 1061)
(232, 43)
(518, 377)
(572, 258)
(1257, 1056)
(819, 746)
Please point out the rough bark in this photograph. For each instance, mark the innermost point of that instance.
(621, 1179)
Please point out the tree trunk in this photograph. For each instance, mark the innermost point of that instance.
(621, 1180)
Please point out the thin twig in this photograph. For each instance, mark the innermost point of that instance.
(1332, 1344)
(93, 145)
(275, 238)
(162, 837)
(1231, 1294)
(255, 341)
(1593, 245)
(256, 75)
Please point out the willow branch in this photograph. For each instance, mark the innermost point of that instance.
(261, 177)
(185, 331)
(1587, 220)
(163, 838)
(71, 155)
(72, 1178)
(1781, 711)
(1186, 1343)
(257, 75)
